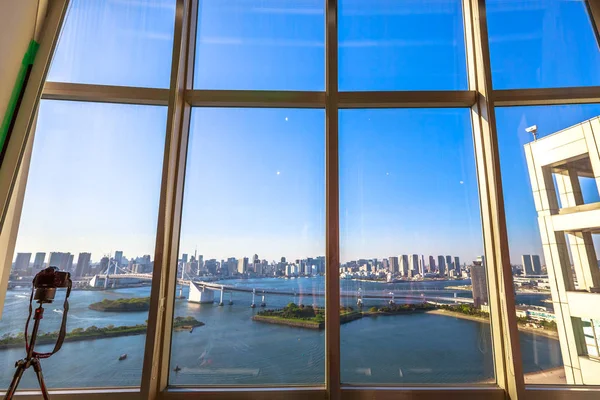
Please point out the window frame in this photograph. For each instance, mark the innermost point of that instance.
(480, 97)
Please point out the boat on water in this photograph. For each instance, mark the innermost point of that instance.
(177, 369)
(122, 357)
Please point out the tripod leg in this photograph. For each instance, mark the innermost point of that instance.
(38, 371)
(15, 380)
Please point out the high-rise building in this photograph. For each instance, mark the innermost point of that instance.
(104, 261)
(457, 264)
(531, 264)
(38, 262)
(59, 260)
(527, 265)
(119, 257)
(537, 265)
(83, 264)
(413, 264)
(393, 265)
(449, 263)
(242, 266)
(441, 265)
(555, 163)
(22, 261)
(184, 258)
(403, 260)
(431, 263)
(69, 266)
(479, 282)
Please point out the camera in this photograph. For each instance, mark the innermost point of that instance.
(47, 281)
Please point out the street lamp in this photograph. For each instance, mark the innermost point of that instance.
(533, 131)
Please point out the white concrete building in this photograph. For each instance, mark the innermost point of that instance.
(565, 156)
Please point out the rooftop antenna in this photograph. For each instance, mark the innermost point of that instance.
(533, 131)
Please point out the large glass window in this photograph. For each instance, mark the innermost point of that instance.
(252, 250)
(414, 290)
(118, 42)
(401, 45)
(90, 208)
(542, 44)
(259, 45)
(249, 304)
(544, 177)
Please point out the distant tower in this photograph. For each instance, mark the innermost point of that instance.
(441, 265)
(431, 264)
(479, 282)
(393, 265)
(83, 264)
(119, 257)
(22, 261)
(527, 265)
(38, 262)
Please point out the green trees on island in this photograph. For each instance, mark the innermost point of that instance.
(122, 305)
(94, 332)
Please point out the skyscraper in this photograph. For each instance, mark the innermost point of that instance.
(441, 265)
(393, 265)
(22, 261)
(403, 265)
(104, 264)
(242, 266)
(537, 265)
(531, 264)
(184, 258)
(431, 263)
(479, 282)
(38, 262)
(59, 260)
(449, 263)
(118, 257)
(527, 265)
(69, 266)
(457, 264)
(413, 263)
(83, 264)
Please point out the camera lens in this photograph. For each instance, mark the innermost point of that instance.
(44, 294)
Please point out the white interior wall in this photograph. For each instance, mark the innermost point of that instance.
(17, 20)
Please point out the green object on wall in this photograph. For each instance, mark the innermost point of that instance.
(16, 97)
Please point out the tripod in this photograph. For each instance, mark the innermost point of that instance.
(44, 284)
(32, 359)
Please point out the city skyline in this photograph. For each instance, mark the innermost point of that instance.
(407, 177)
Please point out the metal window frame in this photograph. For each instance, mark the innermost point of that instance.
(481, 98)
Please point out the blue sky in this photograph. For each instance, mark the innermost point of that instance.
(255, 178)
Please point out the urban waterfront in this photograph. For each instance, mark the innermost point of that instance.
(232, 349)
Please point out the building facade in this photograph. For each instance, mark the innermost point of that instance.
(564, 157)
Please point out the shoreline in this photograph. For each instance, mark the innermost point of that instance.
(541, 332)
(118, 331)
(344, 318)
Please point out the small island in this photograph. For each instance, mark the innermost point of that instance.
(312, 317)
(94, 332)
(122, 305)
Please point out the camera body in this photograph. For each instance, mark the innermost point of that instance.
(47, 281)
